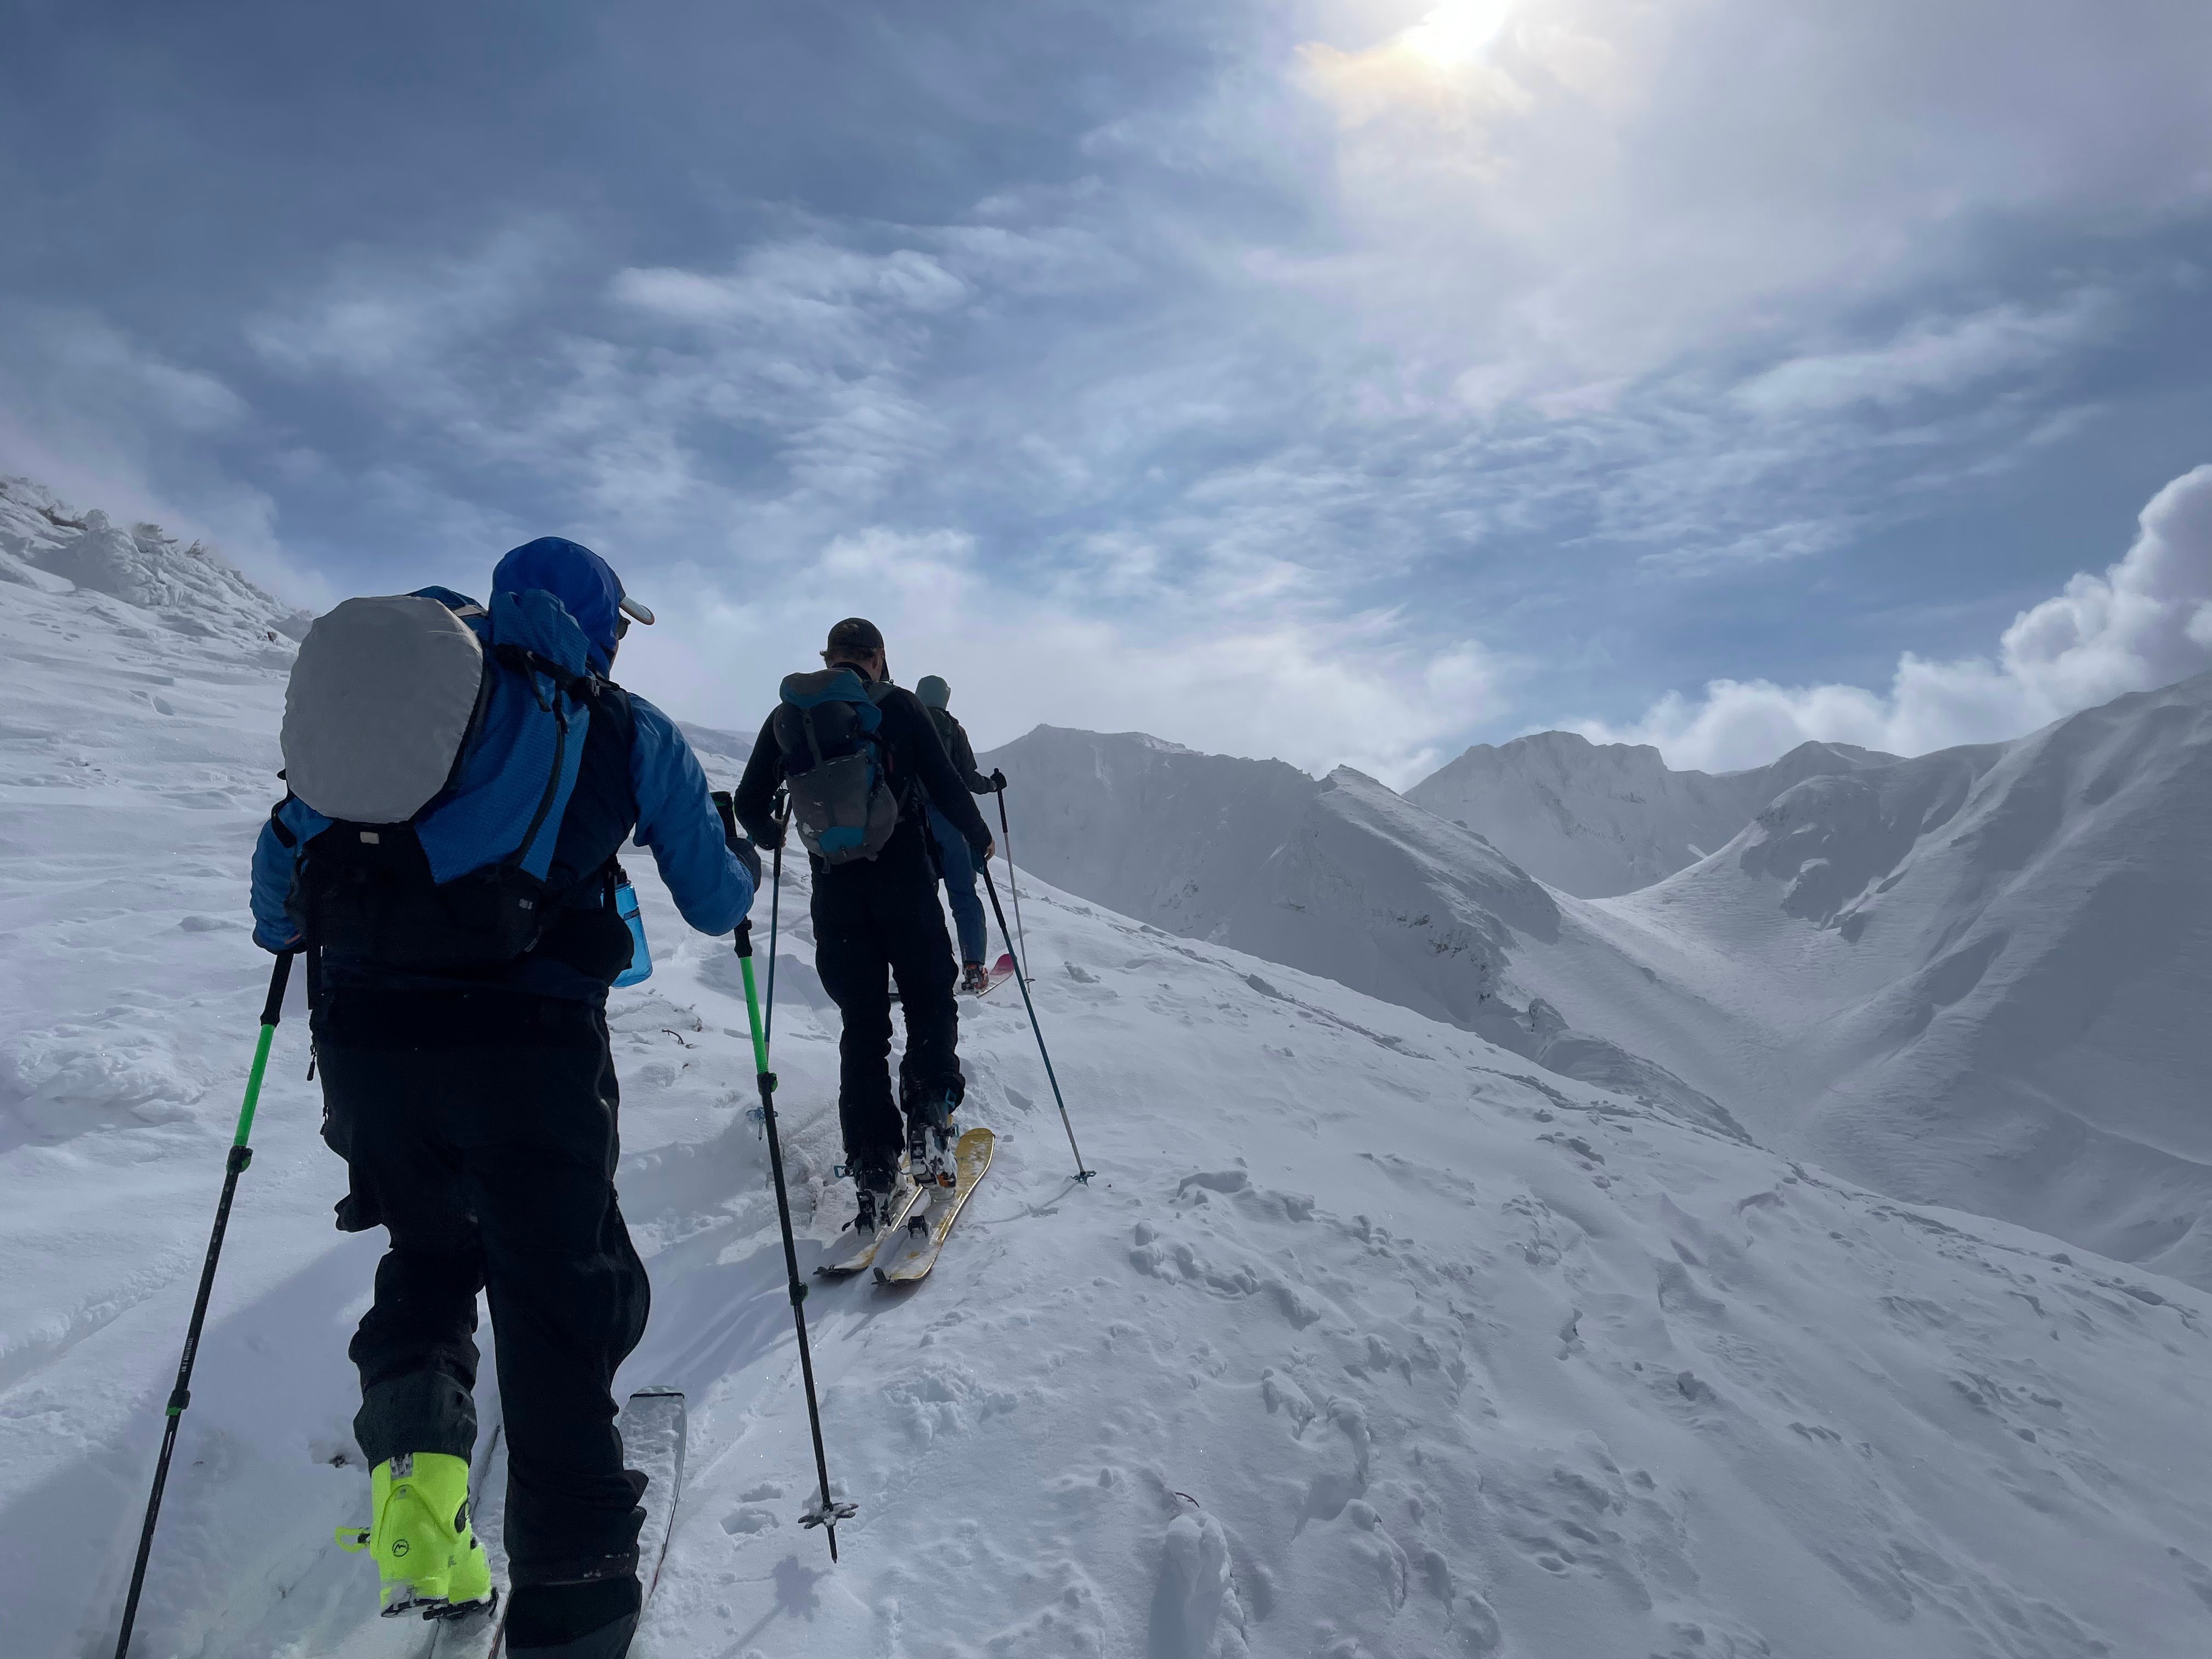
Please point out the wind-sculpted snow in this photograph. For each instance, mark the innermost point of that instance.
(1371, 1339)
(47, 545)
(1595, 819)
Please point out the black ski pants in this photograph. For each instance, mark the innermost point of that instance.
(876, 920)
(480, 1128)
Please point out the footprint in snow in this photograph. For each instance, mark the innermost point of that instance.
(1193, 1593)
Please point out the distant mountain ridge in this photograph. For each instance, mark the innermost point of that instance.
(1975, 977)
(1336, 876)
(1600, 819)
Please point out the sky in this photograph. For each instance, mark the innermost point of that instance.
(1339, 382)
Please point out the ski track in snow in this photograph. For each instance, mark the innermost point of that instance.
(1365, 1342)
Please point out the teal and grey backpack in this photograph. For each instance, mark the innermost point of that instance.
(836, 764)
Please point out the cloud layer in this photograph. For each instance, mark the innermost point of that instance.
(1340, 381)
(2145, 622)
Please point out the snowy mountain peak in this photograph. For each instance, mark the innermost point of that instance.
(46, 545)
(1339, 876)
(1597, 819)
(1976, 975)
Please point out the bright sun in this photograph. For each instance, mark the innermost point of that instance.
(1456, 32)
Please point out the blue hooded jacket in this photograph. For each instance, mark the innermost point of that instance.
(660, 796)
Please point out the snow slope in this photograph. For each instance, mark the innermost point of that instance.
(1980, 974)
(1595, 819)
(1371, 1340)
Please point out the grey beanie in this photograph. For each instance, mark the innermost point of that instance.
(933, 691)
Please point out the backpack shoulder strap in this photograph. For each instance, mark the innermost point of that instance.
(611, 703)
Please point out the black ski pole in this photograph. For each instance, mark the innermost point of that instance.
(827, 1514)
(1082, 1173)
(1013, 886)
(774, 914)
(241, 1154)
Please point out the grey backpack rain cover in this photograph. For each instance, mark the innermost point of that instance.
(380, 703)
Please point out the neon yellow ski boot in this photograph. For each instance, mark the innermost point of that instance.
(427, 1553)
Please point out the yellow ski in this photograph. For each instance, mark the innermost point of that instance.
(915, 1253)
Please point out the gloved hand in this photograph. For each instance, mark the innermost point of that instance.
(278, 947)
(998, 782)
(750, 858)
(725, 807)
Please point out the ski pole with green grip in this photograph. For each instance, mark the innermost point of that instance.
(241, 1154)
(828, 1513)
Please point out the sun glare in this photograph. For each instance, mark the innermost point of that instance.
(1456, 32)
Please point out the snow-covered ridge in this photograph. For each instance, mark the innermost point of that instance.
(48, 545)
(1337, 875)
(1972, 978)
(1595, 819)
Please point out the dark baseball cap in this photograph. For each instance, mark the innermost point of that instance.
(856, 634)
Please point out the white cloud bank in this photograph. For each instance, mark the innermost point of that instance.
(2147, 621)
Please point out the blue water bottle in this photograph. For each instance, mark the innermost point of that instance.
(640, 953)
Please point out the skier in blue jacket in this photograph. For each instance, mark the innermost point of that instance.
(475, 1107)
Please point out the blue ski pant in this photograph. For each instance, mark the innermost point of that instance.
(957, 860)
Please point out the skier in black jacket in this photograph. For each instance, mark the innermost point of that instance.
(952, 857)
(877, 919)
